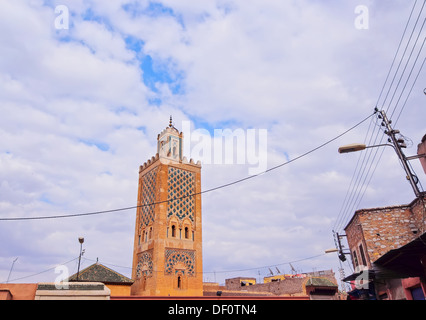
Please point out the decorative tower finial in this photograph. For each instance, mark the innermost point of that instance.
(171, 122)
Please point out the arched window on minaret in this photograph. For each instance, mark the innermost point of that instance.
(179, 282)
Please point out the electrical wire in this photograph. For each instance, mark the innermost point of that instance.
(406, 65)
(41, 272)
(226, 271)
(415, 80)
(364, 171)
(396, 53)
(194, 194)
(207, 272)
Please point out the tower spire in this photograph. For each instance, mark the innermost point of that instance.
(171, 122)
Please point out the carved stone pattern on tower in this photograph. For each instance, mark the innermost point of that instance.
(180, 256)
(144, 267)
(148, 197)
(181, 185)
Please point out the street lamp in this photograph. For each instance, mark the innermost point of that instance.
(354, 147)
(331, 250)
(81, 240)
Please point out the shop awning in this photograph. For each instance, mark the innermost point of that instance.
(405, 261)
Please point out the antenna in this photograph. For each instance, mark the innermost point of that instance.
(292, 269)
(278, 270)
(11, 268)
(270, 271)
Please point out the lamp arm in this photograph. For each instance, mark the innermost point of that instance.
(381, 145)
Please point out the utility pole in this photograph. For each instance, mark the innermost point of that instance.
(342, 254)
(11, 268)
(398, 145)
(81, 240)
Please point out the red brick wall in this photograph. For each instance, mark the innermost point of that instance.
(380, 230)
(421, 149)
(19, 291)
(291, 286)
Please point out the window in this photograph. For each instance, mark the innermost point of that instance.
(186, 233)
(144, 283)
(173, 231)
(361, 251)
(355, 258)
(179, 282)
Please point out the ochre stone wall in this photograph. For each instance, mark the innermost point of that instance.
(167, 258)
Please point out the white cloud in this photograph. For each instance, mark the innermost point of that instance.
(77, 120)
(105, 44)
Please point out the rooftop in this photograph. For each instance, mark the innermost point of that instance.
(99, 273)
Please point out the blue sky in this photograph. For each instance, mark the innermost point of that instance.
(80, 110)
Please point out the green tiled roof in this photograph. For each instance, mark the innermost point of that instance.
(320, 282)
(99, 273)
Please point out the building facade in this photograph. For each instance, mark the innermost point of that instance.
(421, 150)
(167, 255)
(388, 249)
(319, 285)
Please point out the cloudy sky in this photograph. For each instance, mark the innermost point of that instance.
(86, 88)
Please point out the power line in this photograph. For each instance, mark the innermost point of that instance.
(41, 272)
(194, 194)
(207, 272)
(364, 170)
(270, 266)
(227, 271)
(396, 53)
(405, 51)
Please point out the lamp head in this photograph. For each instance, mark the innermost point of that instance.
(352, 148)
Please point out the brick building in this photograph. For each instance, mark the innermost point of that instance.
(388, 245)
(319, 285)
(421, 150)
(167, 254)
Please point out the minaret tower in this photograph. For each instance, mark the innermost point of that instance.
(167, 252)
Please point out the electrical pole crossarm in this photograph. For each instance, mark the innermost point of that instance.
(391, 133)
